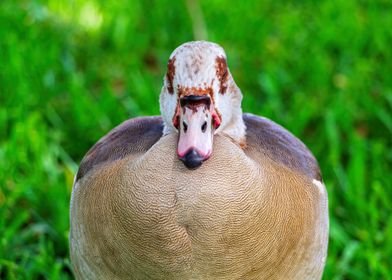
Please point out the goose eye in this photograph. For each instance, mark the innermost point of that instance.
(204, 127)
(185, 126)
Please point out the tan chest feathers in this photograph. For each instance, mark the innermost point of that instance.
(231, 217)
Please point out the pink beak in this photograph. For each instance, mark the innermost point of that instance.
(196, 130)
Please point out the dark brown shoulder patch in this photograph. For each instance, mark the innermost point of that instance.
(280, 145)
(132, 136)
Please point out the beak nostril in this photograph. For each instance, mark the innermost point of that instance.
(185, 126)
(204, 127)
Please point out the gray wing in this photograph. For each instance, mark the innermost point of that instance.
(132, 136)
(275, 142)
(139, 134)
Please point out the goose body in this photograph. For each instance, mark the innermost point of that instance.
(253, 208)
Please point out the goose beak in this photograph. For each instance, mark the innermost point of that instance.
(196, 130)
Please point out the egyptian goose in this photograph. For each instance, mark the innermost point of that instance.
(203, 192)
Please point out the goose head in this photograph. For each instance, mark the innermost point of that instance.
(199, 99)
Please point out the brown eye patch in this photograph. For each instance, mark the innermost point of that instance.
(221, 73)
(171, 71)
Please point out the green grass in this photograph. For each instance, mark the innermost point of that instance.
(72, 70)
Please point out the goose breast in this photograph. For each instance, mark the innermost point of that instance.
(256, 213)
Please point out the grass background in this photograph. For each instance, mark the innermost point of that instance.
(72, 70)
